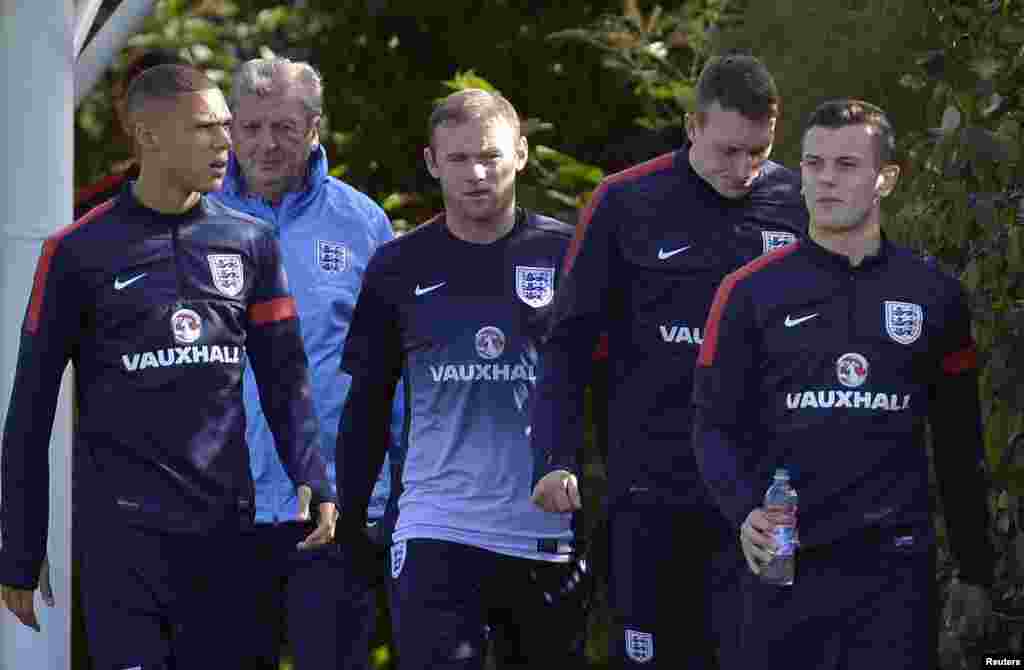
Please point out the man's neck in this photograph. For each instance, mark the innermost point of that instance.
(481, 232)
(856, 243)
(274, 192)
(157, 195)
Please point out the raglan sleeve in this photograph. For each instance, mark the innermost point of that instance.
(958, 447)
(725, 374)
(579, 316)
(278, 358)
(373, 358)
(49, 337)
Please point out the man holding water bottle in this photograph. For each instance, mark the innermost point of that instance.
(826, 358)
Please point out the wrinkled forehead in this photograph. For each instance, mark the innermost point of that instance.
(277, 107)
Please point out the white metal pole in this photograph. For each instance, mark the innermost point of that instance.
(122, 24)
(85, 15)
(36, 49)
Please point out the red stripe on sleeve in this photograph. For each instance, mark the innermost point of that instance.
(272, 311)
(659, 163)
(710, 344)
(35, 306)
(961, 361)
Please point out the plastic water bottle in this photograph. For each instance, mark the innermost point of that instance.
(780, 501)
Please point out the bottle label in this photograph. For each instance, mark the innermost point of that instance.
(785, 544)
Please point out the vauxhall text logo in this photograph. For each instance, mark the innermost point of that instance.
(187, 328)
(852, 371)
(490, 343)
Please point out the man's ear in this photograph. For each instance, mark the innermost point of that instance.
(522, 153)
(886, 181)
(428, 158)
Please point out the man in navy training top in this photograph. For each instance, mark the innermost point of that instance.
(327, 230)
(829, 357)
(650, 249)
(457, 307)
(158, 297)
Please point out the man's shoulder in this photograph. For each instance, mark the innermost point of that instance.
(547, 225)
(767, 268)
(923, 268)
(350, 199)
(216, 208)
(410, 248)
(649, 172)
(778, 186)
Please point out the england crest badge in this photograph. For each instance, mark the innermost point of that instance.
(227, 273)
(535, 286)
(639, 646)
(903, 321)
(776, 239)
(332, 257)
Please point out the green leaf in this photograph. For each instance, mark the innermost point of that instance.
(1012, 34)
(469, 79)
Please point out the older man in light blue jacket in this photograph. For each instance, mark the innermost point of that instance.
(327, 231)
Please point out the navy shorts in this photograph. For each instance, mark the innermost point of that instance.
(850, 607)
(450, 601)
(327, 606)
(162, 601)
(673, 585)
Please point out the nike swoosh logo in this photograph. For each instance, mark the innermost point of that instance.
(662, 254)
(118, 284)
(428, 289)
(790, 322)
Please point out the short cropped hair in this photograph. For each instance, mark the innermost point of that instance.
(472, 103)
(274, 76)
(165, 82)
(739, 82)
(849, 112)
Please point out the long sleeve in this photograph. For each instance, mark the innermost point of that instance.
(579, 317)
(955, 418)
(278, 358)
(722, 382)
(48, 338)
(373, 357)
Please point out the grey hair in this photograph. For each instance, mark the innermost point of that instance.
(274, 76)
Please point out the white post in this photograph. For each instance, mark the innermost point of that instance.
(97, 57)
(36, 49)
(85, 15)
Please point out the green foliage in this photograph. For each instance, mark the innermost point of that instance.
(962, 189)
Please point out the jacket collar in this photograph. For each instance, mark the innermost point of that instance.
(316, 176)
(827, 258)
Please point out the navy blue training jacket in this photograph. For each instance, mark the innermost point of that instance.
(650, 250)
(158, 313)
(833, 371)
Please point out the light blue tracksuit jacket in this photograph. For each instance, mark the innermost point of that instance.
(327, 233)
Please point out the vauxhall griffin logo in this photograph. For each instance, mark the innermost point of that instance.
(852, 370)
(490, 342)
(186, 326)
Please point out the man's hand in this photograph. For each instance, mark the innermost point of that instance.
(557, 491)
(21, 601)
(324, 532)
(968, 610)
(757, 540)
(305, 496)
